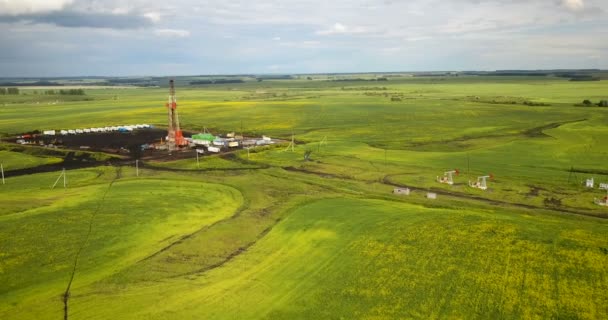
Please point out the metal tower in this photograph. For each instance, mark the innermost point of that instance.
(175, 138)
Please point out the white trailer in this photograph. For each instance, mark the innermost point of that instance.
(233, 144)
(402, 191)
(213, 149)
(201, 142)
(49, 132)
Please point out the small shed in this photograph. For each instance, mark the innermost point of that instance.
(402, 191)
(589, 183)
(431, 195)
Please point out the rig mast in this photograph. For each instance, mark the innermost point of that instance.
(175, 138)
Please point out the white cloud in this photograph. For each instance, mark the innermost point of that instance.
(414, 39)
(574, 5)
(276, 38)
(152, 16)
(120, 10)
(176, 33)
(339, 28)
(18, 7)
(306, 44)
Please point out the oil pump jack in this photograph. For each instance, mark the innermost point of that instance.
(603, 201)
(448, 177)
(481, 182)
(175, 137)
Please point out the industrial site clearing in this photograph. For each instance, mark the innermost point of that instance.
(342, 196)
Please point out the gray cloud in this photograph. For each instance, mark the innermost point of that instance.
(73, 19)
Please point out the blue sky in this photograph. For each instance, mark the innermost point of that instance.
(184, 37)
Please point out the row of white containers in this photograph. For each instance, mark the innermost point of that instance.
(102, 129)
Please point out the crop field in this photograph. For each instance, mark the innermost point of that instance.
(266, 234)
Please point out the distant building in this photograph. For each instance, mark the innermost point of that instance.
(431, 195)
(589, 183)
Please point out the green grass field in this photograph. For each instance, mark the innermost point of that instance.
(267, 235)
(18, 160)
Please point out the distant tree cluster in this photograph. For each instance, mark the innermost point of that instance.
(30, 84)
(601, 103)
(67, 92)
(535, 104)
(275, 77)
(360, 79)
(216, 81)
(4, 91)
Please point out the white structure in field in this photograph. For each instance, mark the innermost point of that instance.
(481, 182)
(402, 191)
(431, 195)
(589, 183)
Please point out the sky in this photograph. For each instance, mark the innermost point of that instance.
(44, 38)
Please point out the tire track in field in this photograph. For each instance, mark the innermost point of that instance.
(232, 255)
(66, 293)
(190, 235)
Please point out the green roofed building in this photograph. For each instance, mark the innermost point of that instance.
(203, 136)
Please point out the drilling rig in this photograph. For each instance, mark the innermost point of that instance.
(175, 137)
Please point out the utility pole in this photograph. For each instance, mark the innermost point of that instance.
(2, 170)
(291, 144)
(198, 164)
(64, 179)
